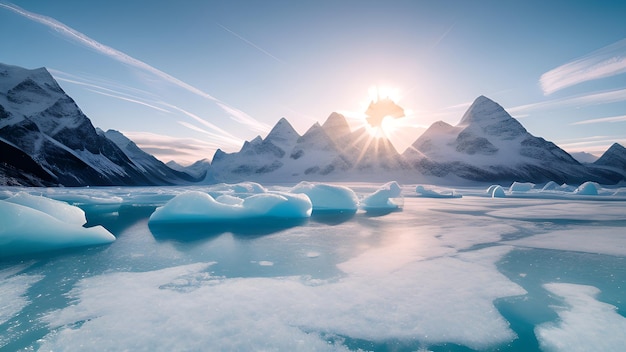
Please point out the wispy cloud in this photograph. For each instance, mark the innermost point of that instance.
(592, 144)
(165, 148)
(251, 43)
(602, 120)
(129, 60)
(607, 97)
(136, 101)
(602, 63)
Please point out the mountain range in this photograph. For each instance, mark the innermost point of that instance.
(45, 139)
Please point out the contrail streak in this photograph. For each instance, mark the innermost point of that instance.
(129, 60)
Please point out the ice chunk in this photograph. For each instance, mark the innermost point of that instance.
(387, 197)
(521, 187)
(28, 230)
(325, 197)
(496, 191)
(429, 193)
(58, 209)
(586, 324)
(195, 206)
(587, 189)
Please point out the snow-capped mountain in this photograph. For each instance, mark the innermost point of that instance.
(42, 122)
(324, 152)
(45, 139)
(197, 170)
(154, 169)
(487, 145)
(490, 145)
(614, 158)
(584, 157)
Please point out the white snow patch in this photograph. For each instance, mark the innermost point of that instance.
(602, 240)
(586, 324)
(185, 308)
(13, 291)
(564, 210)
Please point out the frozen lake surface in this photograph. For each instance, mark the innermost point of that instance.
(530, 271)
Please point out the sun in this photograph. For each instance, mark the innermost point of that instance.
(382, 110)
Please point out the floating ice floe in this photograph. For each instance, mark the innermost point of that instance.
(586, 324)
(198, 207)
(387, 197)
(429, 193)
(30, 224)
(328, 198)
(496, 191)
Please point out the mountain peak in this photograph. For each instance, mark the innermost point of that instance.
(336, 126)
(485, 116)
(615, 156)
(282, 134)
(483, 110)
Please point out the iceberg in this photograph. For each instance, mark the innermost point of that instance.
(25, 230)
(521, 187)
(328, 198)
(55, 208)
(200, 207)
(496, 191)
(387, 197)
(587, 189)
(429, 193)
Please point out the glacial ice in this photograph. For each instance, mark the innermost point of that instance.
(387, 197)
(430, 193)
(29, 230)
(196, 206)
(326, 197)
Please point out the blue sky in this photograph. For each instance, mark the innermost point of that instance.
(185, 78)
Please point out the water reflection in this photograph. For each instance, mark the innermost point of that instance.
(249, 228)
